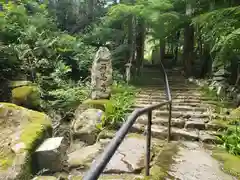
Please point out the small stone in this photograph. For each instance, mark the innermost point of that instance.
(83, 157)
(76, 144)
(220, 91)
(205, 137)
(195, 125)
(51, 154)
(215, 127)
(84, 125)
(159, 132)
(184, 134)
(137, 128)
(17, 148)
(104, 141)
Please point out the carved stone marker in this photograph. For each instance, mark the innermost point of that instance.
(101, 78)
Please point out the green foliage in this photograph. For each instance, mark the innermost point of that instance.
(32, 46)
(231, 140)
(220, 28)
(117, 107)
(67, 99)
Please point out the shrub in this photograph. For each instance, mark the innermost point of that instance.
(117, 107)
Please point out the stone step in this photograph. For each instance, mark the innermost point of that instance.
(162, 86)
(193, 102)
(174, 97)
(160, 98)
(179, 114)
(161, 132)
(192, 123)
(174, 107)
(175, 103)
(176, 122)
(176, 92)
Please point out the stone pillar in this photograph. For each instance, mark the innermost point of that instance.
(128, 72)
(101, 74)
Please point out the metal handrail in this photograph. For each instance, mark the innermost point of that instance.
(98, 167)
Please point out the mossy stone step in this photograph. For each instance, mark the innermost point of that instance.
(174, 108)
(161, 132)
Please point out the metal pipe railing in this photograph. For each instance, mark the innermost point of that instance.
(99, 165)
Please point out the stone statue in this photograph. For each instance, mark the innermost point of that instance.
(101, 74)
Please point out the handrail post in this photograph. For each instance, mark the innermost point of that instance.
(169, 122)
(148, 144)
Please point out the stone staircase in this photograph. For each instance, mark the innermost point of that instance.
(191, 124)
(191, 112)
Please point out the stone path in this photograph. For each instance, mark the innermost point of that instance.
(193, 162)
(191, 112)
(192, 126)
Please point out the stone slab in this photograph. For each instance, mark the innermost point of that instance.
(129, 157)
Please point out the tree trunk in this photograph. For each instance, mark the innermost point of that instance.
(140, 39)
(162, 49)
(176, 49)
(188, 49)
(131, 45)
(207, 62)
(91, 4)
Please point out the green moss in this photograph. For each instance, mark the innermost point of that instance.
(33, 126)
(162, 161)
(230, 162)
(6, 160)
(14, 84)
(98, 103)
(35, 129)
(140, 136)
(28, 96)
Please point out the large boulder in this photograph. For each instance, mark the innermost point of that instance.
(84, 126)
(22, 130)
(101, 75)
(27, 96)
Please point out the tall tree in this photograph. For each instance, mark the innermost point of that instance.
(188, 51)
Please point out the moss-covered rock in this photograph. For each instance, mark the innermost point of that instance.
(22, 130)
(15, 84)
(102, 104)
(163, 160)
(27, 96)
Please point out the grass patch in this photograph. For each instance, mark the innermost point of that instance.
(162, 161)
(230, 162)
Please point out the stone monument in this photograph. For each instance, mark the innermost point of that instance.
(101, 74)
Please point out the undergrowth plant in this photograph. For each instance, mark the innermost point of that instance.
(231, 139)
(117, 107)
